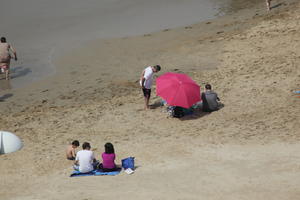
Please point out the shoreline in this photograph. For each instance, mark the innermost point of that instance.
(24, 74)
(246, 150)
(67, 27)
(52, 80)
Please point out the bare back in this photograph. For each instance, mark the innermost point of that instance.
(70, 152)
(4, 53)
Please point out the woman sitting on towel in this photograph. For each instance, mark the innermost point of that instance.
(108, 159)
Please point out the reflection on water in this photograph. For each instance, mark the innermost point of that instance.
(18, 77)
(19, 71)
(15, 73)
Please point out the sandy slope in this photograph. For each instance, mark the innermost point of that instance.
(247, 150)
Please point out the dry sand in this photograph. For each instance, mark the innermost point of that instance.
(247, 150)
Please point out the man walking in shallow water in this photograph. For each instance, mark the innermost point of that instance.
(146, 82)
(5, 56)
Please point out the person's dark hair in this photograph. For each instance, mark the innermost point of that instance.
(109, 148)
(75, 143)
(3, 39)
(86, 145)
(208, 86)
(157, 67)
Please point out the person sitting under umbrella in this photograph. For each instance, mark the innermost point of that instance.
(179, 91)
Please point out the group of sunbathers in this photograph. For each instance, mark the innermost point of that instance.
(85, 160)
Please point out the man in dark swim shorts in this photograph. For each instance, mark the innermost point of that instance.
(147, 93)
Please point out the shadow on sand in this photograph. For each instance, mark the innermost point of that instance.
(197, 113)
(156, 104)
(6, 96)
(277, 5)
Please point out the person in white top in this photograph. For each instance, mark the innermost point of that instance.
(146, 82)
(268, 2)
(5, 56)
(85, 160)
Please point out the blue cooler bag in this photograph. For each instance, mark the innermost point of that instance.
(128, 163)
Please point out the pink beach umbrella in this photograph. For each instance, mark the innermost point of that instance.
(178, 89)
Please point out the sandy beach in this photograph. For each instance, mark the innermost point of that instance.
(247, 150)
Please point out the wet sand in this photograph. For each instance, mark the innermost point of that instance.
(247, 150)
(42, 30)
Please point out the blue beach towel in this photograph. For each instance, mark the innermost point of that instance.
(95, 173)
(297, 92)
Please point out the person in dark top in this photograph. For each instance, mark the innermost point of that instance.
(209, 99)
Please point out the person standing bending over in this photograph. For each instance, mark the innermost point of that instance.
(146, 82)
(5, 56)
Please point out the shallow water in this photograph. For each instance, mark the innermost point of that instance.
(40, 29)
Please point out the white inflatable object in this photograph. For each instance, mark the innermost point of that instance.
(9, 142)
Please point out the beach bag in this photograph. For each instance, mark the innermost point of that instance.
(128, 163)
(178, 112)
